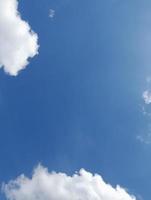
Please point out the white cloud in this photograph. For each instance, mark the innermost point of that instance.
(51, 13)
(147, 96)
(17, 41)
(58, 186)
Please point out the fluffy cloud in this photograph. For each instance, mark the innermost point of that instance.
(58, 186)
(147, 96)
(17, 41)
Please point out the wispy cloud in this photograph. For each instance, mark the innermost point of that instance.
(145, 137)
(51, 13)
(59, 186)
(17, 41)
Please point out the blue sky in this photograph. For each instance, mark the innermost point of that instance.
(79, 102)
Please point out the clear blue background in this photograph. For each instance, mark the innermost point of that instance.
(78, 103)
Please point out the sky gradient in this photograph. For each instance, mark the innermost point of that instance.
(78, 104)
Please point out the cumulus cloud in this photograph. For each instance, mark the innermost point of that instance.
(147, 96)
(59, 186)
(18, 42)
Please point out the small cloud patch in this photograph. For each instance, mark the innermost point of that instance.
(147, 97)
(51, 13)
